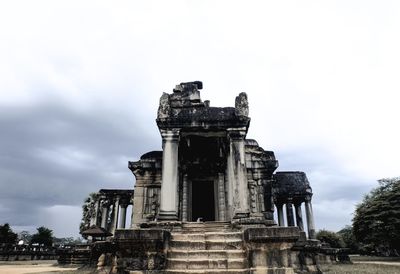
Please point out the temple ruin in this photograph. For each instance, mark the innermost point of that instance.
(206, 202)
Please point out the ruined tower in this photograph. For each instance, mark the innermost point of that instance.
(205, 157)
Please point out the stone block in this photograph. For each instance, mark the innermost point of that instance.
(271, 234)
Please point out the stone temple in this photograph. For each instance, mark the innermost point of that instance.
(206, 202)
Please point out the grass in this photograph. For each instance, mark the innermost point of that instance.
(365, 265)
(360, 268)
(356, 258)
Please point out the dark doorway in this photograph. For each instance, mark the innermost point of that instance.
(203, 205)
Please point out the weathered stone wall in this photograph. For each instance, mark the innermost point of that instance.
(146, 200)
(141, 249)
(273, 250)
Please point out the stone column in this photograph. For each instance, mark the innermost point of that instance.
(122, 218)
(138, 200)
(299, 216)
(289, 213)
(170, 176)
(94, 220)
(238, 192)
(115, 214)
(221, 197)
(185, 198)
(267, 199)
(132, 217)
(310, 218)
(281, 221)
(104, 214)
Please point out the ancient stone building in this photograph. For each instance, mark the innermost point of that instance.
(206, 202)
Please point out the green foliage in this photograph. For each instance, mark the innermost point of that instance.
(88, 211)
(44, 236)
(330, 237)
(7, 236)
(349, 239)
(67, 241)
(359, 268)
(376, 222)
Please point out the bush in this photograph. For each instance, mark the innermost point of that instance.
(330, 237)
(349, 239)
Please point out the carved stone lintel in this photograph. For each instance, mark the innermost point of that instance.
(242, 105)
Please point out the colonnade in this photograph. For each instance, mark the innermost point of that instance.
(115, 202)
(290, 221)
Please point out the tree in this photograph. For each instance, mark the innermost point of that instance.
(376, 222)
(44, 236)
(25, 236)
(88, 211)
(330, 237)
(67, 241)
(7, 236)
(349, 239)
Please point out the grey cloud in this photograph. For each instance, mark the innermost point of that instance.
(55, 155)
(326, 174)
(336, 190)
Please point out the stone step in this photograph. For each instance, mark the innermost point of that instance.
(206, 254)
(206, 245)
(224, 235)
(208, 271)
(188, 236)
(207, 264)
(207, 236)
(207, 226)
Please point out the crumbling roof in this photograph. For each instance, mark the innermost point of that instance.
(291, 183)
(117, 191)
(155, 154)
(96, 231)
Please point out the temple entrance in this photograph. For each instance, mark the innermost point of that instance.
(203, 203)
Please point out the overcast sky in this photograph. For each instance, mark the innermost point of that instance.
(80, 83)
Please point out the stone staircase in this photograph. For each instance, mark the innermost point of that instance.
(211, 247)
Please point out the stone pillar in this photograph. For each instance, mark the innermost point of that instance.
(94, 220)
(299, 216)
(281, 221)
(170, 176)
(221, 198)
(185, 198)
(132, 216)
(267, 199)
(289, 213)
(104, 214)
(122, 218)
(238, 192)
(138, 201)
(115, 214)
(310, 218)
